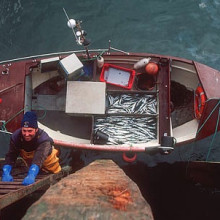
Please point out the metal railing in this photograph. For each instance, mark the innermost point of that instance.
(62, 53)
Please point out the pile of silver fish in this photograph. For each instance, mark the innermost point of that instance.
(137, 122)
(132, 104)
(127, 130)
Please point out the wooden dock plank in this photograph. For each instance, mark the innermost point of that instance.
(11, 195)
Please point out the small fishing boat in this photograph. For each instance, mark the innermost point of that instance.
(109, 100)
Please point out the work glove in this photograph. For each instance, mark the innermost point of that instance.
(6, 177)
(32, 173)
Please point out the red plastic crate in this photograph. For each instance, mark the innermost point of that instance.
(117, 75)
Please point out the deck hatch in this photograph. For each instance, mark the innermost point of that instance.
(85, 97)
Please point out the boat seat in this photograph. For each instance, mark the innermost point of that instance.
(186, 131)
(164, 97)
(84, 97)
(49, 64)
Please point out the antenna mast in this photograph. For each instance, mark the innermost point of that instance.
(78, 33)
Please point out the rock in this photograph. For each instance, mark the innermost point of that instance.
(99, 191)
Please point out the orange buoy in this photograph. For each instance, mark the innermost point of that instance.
(152, 68)
(200, 100)
(129, 159)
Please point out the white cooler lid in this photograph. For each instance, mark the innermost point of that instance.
(85, 97)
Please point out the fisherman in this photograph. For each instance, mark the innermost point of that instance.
(34, 146)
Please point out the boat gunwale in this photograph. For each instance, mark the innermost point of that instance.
(118, 53)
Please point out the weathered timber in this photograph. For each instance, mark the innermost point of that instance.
(99, 191)
(11, 192)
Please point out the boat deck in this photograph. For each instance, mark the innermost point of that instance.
(11, 192)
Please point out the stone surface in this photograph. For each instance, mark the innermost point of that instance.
(99, 191)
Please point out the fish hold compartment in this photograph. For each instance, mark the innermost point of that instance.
(130, 118)
(124, 130)
(135, 103)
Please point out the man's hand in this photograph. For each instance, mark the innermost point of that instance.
(32, 173)
(6, 177)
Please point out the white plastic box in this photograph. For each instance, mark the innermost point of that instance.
(71, 66)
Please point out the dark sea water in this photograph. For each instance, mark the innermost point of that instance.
(189, 29)
(183, 28)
